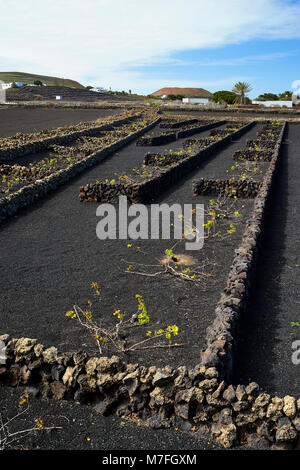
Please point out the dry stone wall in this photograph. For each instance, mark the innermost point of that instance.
(31, 193)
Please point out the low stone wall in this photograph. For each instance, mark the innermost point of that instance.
(161, 139)
(219, 132)
(31, 193)
(231, 124)
(231, 187)
(157, 159)
(195, 130)
(201, 142)
(106, 192)
(162, 397)
(165, 138)
(231, 110)
(147, 191)
(201, 398)
(7, 155)
(261, 144)
(173, 125)
(253, 155)
(221, 335)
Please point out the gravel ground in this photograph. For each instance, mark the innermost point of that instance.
(265, 341)
(52, 255)
(14, 120)
(211, 170)
(85, 429)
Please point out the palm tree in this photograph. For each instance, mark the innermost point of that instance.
(240, 89)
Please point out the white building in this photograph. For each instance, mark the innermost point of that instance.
(274, 104)
(196, 100)
(5, 86)
(98, 89)
(295, 99)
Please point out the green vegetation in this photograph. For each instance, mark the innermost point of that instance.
(285, 96)
(241, 89)
(224, 96)
(118, 335)
(26, 78)
(268, 97)
(175, 97)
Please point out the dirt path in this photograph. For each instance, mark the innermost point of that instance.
(265, 351)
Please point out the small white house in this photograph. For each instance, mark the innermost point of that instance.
(295, 99)
(98, 89)
(5, 86)
(196, 100)
(274, 104)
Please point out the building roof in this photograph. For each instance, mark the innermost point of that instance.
(187, 92)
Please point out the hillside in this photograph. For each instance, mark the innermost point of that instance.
(49, 93)
(182, 91)
(30, 77)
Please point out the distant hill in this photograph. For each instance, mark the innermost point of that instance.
(182, 91)
(68, 94)
(26, 78)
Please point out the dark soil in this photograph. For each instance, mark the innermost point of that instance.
(85, 429)
(14, 120)
(51, 255)
(69, 94)
(29, 168)
(265, 340)
(222, 169)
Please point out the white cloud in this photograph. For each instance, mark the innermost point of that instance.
(157, 61)
(295, 84)
(296, 87)
(98, 38)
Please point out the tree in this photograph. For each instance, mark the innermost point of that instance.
(224, 96)
(267, 97)
(240, 89)
(286, 96)
(175, 97)
(38, 82)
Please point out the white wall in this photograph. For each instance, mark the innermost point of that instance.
(271, 104)
(5, 86)
(2, 96)
(196, 100)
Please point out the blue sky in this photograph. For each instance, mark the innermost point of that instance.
(144, 45)
(269, 66)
